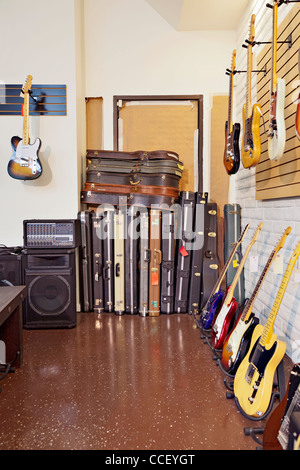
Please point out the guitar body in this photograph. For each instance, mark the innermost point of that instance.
(273, 425)
(253, 382)
(276, 141)
(208, 315)
(237, 344)
(232, 150)
(24, 163)
(251, 146)
(223, 323)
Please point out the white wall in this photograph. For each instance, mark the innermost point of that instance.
(38, 37)
(275, 214)
(132, 50)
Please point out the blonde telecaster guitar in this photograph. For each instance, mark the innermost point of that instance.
(253, 381)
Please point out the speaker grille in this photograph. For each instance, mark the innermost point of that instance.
(49, 294)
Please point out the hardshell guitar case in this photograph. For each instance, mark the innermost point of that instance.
(119, 262)
(210, 259)
(184, 252)
(155, 262)
(86, 261)
(144, 263)
(232, 232)
(168, 262)
(97, 238)
(131, 261)
(108, 258)
(197, 255)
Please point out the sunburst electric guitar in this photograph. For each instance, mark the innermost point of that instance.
(251, 146)
(253, 381)
(224, 320)
(237, 343)
(216, 297)
(231, 157)
(277, 429)
(276, 134)
(24, 163)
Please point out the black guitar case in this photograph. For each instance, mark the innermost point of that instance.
(210, 259)
(184, 252)
(86, 261)
(108, 259)
(97, 237)
(131, 261)
(232, 231)
(197, 254)
(95, 198)
(168, 262)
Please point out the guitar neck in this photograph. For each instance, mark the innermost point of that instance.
(230, 126)
(26, 119)
(274, 49)
(268, 329)
(248, 308)
(241, 265)
(248, 92)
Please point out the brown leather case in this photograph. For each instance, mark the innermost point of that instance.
(138, 155)
(128, 189)
(155, 262)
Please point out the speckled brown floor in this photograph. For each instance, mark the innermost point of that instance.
(119, 383)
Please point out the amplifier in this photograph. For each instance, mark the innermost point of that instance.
(52, 233)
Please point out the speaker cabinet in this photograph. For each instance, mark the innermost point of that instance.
(10, 267)
(50, 278)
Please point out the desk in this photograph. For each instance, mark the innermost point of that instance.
(11, 322)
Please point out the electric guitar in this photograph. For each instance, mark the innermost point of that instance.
(24, 163)
(237, 343)
(276, 134)
(224, 319)
(215, 299)
(297, 124)
(232, 131)
(251, 147)
(276, 432)
(253, 381)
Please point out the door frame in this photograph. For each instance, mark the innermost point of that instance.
(198, 98)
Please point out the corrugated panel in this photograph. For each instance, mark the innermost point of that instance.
(48, 100)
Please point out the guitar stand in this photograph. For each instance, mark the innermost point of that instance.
(280, 384)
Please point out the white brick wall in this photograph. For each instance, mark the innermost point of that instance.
(275, 214)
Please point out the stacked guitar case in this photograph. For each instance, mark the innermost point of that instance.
(153, 249)
(140, 177)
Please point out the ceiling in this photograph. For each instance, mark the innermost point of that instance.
(197, 15)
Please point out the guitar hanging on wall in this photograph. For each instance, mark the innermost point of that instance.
(24, 163)
(231, 157)
(276, 134)
(251, 146)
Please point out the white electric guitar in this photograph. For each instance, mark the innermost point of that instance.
(24, 163)
(276, 135)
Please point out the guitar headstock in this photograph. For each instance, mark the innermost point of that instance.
(283, 238)
(233, 61)
(243, 233)
(252, 29)
(27, 85)
(255, 236)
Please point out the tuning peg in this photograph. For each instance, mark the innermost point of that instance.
(269, 5)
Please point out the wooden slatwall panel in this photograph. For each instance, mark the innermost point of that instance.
(281, 178)
(50, 100)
